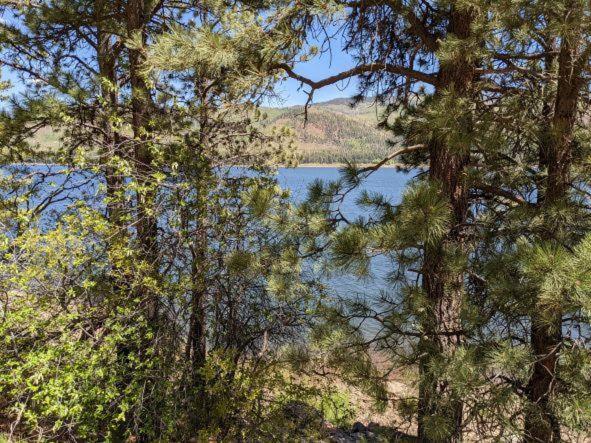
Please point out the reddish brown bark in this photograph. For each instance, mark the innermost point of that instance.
(444, 288)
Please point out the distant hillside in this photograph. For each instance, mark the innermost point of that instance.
(335, 132)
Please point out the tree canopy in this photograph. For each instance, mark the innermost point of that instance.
(159, 285)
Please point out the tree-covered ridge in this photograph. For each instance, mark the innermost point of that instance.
(334, 132)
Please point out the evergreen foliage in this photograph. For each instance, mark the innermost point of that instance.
(158, 285)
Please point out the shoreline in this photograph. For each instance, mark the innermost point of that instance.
(335, 165)
(300, 165)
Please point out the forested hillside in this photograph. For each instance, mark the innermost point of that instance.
(335, 132)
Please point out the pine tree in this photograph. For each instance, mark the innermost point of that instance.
(503, 48)
(152, 270)
(546, 70)
(173, 284)
(440, 131)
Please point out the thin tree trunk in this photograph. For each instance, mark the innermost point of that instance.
(541, 424)
(107, 60)
(196, 343)
(444, 288)
(197, 338)
(141, 107)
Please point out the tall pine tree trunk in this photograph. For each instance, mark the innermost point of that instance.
(443, 286)
(541, 424)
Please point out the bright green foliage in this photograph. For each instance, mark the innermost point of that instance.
(104, 319)
(59, 368)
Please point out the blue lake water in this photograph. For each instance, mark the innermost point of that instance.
(387, 182)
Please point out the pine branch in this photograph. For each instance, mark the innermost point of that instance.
(416, 27)
(359, 70)
(395, 154)
(492, 190)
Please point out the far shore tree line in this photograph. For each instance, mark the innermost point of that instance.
(156, 284)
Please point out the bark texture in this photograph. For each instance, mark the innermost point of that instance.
(444, 288)
(541, 424)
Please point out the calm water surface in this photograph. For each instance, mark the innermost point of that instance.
(387, 182)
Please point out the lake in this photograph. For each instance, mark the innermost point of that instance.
(388, 182)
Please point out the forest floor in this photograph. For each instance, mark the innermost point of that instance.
(352, 415)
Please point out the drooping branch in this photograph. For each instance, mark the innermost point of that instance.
(369, 170)
(495, 191)
(392, 156)
(409, 73)
(360, 70)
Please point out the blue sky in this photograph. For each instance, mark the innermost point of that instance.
(290, 91)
